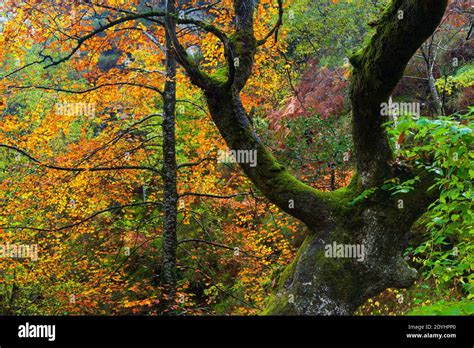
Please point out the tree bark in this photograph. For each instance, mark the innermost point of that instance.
(315, 283)
(430, 60)
(170, 199)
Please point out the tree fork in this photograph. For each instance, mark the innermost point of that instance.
(314, 283)
(317, 284)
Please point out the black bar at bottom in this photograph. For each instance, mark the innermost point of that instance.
(172, 331)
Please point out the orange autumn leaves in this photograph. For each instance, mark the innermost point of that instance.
(104, 263)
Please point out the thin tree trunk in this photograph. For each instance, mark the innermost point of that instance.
(429, 64)
(438, 105)
(333, 176)
(170, 200)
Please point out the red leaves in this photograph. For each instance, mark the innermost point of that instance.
(321, 91)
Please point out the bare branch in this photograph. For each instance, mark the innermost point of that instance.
(77, 169)
(196, 240)
(120, 207)
(277, 26)
(88, 90)
(211, 195)
(193, 164)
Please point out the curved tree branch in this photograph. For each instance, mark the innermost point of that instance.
(208, 195)
(90, 217)
(77, 169)
(277, 26)
(88, 90)
(378, 67)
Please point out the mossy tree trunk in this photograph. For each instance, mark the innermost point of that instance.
(170, 193)
(313, 283)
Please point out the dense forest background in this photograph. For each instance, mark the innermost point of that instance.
(83, 156)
